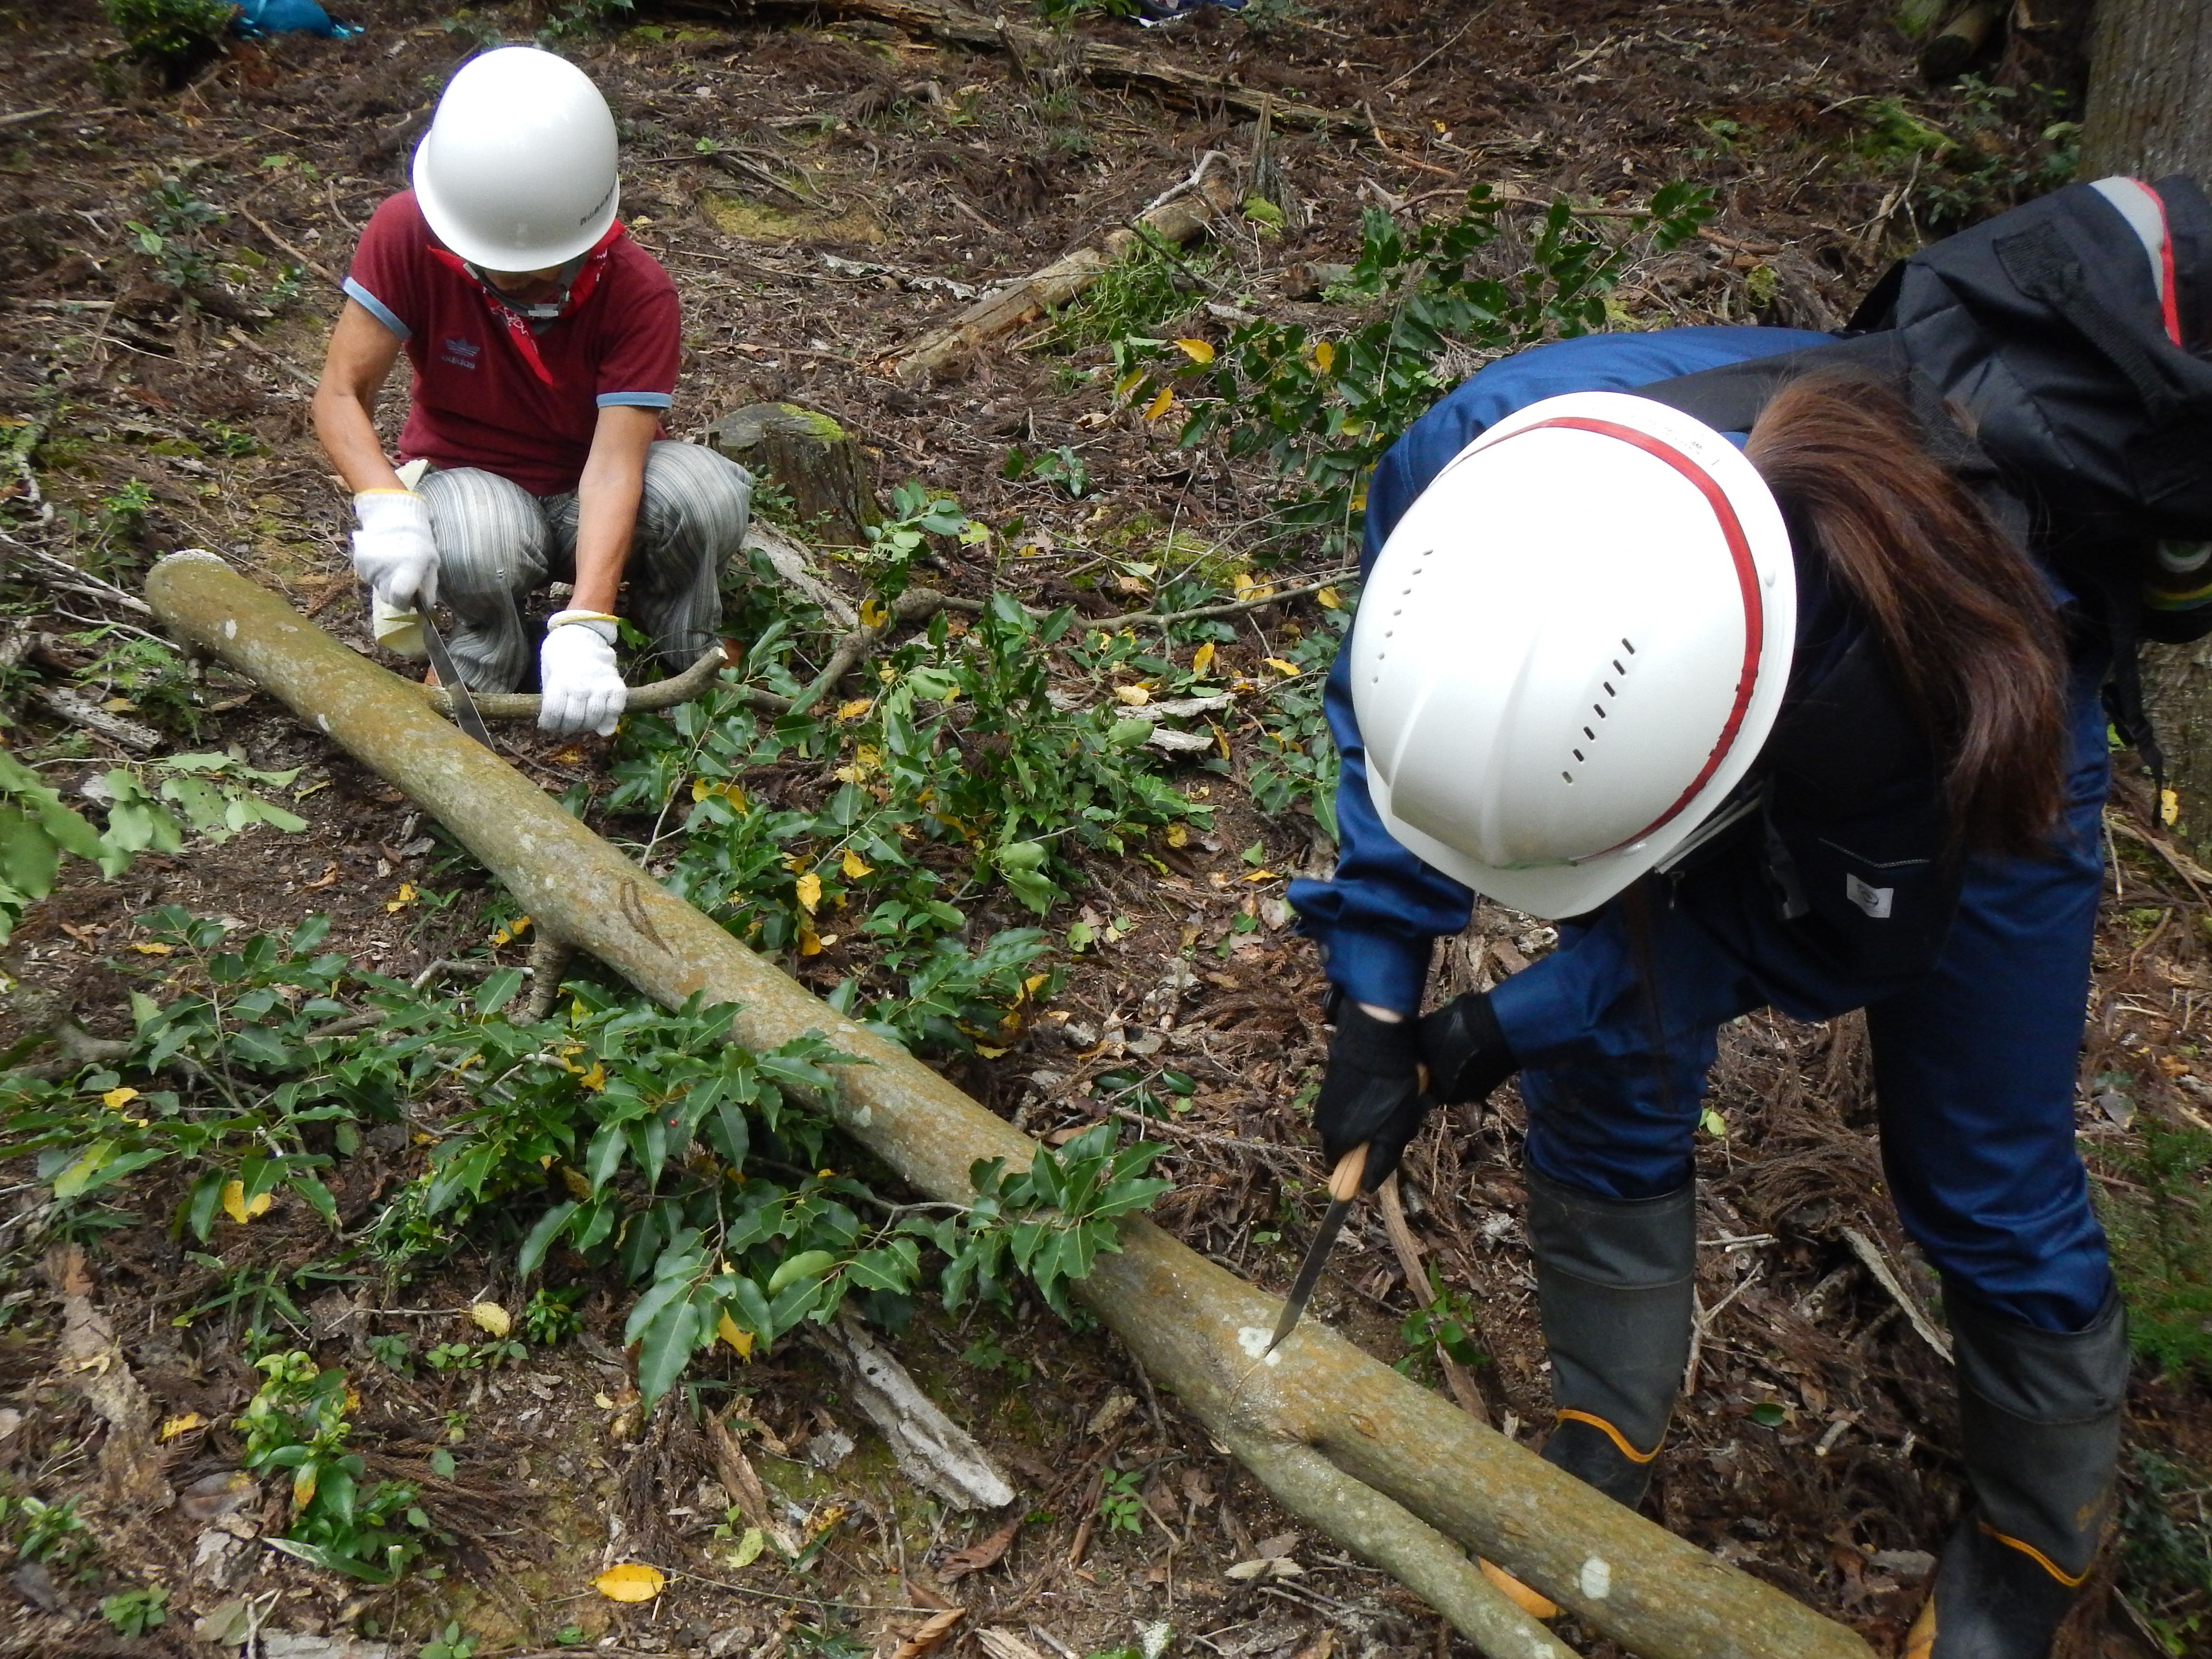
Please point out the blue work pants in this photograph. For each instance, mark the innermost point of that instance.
(1974, 1061)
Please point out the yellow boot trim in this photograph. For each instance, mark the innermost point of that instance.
(1610, 1433)
(1535, 1606)
(2072, 1581)
(1920, 1640)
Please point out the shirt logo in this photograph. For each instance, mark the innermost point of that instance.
(1874, 901)
(462, 353)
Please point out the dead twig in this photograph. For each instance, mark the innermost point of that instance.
(1407, 1249)
(77, 709)
(1877, 1263)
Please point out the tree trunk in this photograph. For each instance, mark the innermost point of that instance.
(812, 459)
(2149, 114)
(1387, 1469)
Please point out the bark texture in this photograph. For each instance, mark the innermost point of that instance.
(811, 456)
(2150, 114)
(1389, 1469)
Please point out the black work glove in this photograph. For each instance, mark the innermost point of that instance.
(1371, 1094)
(1465, 1050)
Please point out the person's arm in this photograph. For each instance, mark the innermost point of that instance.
(607, 497)
(360, 355)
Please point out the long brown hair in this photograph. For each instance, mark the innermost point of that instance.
(1968, 623)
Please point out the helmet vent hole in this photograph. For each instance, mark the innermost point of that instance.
(1599, 708)
(1629, 648)
(1569, 776)
(1579, 755)
(1609, 691)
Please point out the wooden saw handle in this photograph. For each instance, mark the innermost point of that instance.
(1344, 1180)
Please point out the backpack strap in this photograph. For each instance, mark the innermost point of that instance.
(2043, 267)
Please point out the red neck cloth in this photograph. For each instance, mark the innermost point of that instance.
(517, 325)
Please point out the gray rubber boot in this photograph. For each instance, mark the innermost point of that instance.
(1613, 1284)
(2039, 1420)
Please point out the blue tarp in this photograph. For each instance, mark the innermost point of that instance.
(288, 17)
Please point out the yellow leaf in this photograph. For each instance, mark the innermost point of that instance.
(854, 866)
(1289, 670)
(726, 1328)
(152, 949)
(235, 1207)
(989, 1054)
(603, 1401)
(595, 1080)
(1178, 834)
(1135, 695)
(513, 930)
(1330, 600)
(874, 613)
(572, 1179)
(1035, 983)
(1202, 659)
(1324, 355)
(808, 945)
(183, 1424)
(1160, 405)
(702, 787)
(490, 1316)
(1128, 383)
(572, 755)
(1261, 875)
(400, 900)
(632, 1581)
(809, 888)
(114, 1098)
(854, 709)
(303, 1486)
(1197, 350)
(2169, 806)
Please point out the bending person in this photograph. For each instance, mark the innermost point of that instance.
(1790, 725)
(544, 344)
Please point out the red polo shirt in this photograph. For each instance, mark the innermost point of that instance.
(478, 399)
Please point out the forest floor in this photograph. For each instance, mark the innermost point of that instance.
(823, 185)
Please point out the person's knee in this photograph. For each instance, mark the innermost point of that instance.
(694, 494)
(491, 534)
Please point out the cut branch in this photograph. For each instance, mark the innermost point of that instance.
(1336, 1435)
(1182, 215)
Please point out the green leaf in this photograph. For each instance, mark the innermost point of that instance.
(541, 1238)
(498, 989)
(667, 1346)
(807, 1264)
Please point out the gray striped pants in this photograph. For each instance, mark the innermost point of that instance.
(497, 542)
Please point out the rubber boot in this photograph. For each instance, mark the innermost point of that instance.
(1614, 1288)
(1613, 1285)
(2039, 1420)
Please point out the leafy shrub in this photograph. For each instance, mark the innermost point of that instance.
(1321, 407)
(2166, 1557)
(297, 1421)
(171, 29)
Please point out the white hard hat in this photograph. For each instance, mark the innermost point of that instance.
(517, 172)
(1571, 649)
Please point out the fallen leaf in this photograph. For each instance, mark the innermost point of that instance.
(114, 1099)
(1178, 835)
(742, 1340)
(874, 613)
(1197, 350)
(854, 709)
(809, 888)
(2169, 806)
(1202, 659)
(152, 949)
(631, 1581)
(327, 878)
(213, 1495)
(927, 1636)
(235, 1207)
(1265, 1568)
(1160, 405)
(400, 900)
(184, 1423)
(987, 1553)
(1329, 600)
(749, 1546)
(1135, 695)
(1289, 670)
(1324, 355)
(854, 866)
(490, 1316)
(513, 930)
(1005, 1645)
(810, 943)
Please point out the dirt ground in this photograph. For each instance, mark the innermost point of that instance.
(1816, 1446)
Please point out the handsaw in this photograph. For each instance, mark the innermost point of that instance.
(1343, 1188)
(441, 664)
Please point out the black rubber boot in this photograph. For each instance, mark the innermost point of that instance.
(1614, 1284)
(2040, 1421)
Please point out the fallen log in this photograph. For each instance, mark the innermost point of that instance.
(1003, 310)
(1391, 1470)
(1101, 61)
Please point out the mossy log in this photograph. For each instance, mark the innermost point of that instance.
(1386, 1468)
(810, 457)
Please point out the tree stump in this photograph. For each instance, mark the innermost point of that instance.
(813, 459)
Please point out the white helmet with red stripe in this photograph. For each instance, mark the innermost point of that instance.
(1571, 649)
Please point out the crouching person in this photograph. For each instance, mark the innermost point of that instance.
(544, 344)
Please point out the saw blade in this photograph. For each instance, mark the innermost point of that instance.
(441, 664)
(1301, 1290)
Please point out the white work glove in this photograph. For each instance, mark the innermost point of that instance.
(583, 690)
(392, 551)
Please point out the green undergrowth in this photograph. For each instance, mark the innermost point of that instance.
(2165, 1553)
(2160, 1229)
(611, 1138)
(1320, 404)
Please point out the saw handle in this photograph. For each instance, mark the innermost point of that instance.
(1344, 1180)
